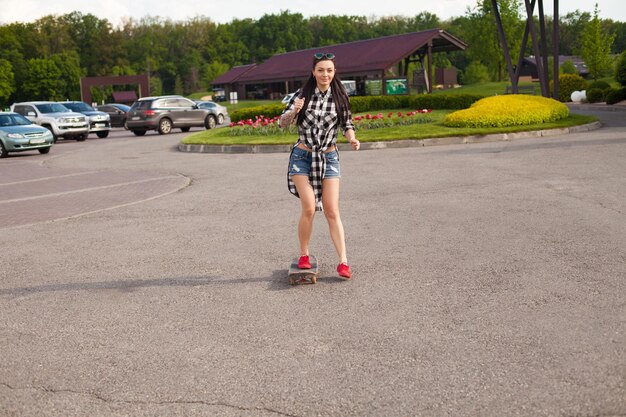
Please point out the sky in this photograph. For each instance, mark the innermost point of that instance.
(224, 11)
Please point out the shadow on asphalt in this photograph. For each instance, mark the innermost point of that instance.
(278, 281)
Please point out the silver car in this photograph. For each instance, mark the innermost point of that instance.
(18, 134)
(220, 112)
(99, 122)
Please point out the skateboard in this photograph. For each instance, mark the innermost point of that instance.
(299, 276)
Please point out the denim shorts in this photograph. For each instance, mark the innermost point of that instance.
(301, 160)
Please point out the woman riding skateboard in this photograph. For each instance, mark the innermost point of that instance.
(320, 108)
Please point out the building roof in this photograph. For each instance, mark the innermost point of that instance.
(578, 62)
(371, 55)
(233, 74)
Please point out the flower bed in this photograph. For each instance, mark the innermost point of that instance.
(509, 110)
(265, 126)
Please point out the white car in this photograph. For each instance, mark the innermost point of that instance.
(61, 121)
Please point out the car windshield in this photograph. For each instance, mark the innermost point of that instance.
(52, 108)
(13, 120)
(78, 107)
(142, 105)
(122, 107)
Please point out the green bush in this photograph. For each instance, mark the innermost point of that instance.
(595, 95)
(568, 67)
(615, 95)
(474, 73)
(508, 110)
(620, 69)
(601, 85)
(268, 111)
(568, 83)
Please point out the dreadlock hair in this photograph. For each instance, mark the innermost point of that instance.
(338, 91)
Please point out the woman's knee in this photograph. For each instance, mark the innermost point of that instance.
(308, 212)
(331, 213)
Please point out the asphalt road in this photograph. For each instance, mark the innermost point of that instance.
(489, 280)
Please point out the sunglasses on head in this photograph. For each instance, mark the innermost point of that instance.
(324, 55)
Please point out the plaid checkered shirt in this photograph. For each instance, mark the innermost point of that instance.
(318, 131)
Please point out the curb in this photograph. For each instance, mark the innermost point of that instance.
(596, 107)
(408, 143)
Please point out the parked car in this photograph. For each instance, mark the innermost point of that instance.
(164, 113)
(220, 112)
(99, 122)
(117, 112)
(55, 117)
(18, 134)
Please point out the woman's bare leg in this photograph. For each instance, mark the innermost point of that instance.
(307, 201)
(330, 200)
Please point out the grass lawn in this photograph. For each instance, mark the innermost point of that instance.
(434, 129)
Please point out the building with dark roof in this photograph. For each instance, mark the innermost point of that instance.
(367, 61)
(529, 66)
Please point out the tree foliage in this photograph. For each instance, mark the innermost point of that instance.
(197, 50)
(596, 48)
(41, 80)
(620, 69)
(7, 80)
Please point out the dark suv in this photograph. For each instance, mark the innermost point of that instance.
(165, 113)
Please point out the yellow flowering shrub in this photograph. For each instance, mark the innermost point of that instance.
(508, 110)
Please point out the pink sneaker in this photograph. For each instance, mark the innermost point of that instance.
(303, 262)
(344, 270)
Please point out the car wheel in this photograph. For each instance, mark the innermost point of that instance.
(220, 119)
(44, 150)
(103, 135)
(124, 124)
(185, 129)
(165, 126)
(210, 122)
(3, 152)
(54, 137)
(139, 132)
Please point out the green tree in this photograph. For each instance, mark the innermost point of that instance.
(479, 31)
(93, 42)
(41, 80)
(7, 81)
(69, 81)
(53, 36)
(178, 86)
(568, 67)
(571, 26)
(596, 48)
(212, 71)
(156, 86)
(475, 73)
(620, 69)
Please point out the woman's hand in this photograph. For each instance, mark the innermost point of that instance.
(299, 103)
(356, 145)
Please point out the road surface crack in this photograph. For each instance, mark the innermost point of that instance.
(165, 402)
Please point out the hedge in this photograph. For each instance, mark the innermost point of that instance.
(568, 83)
(508, 110)
(615, 95)
(371, 103)
(595, 95)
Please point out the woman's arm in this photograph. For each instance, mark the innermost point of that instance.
(290, 114)
(351, 136)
